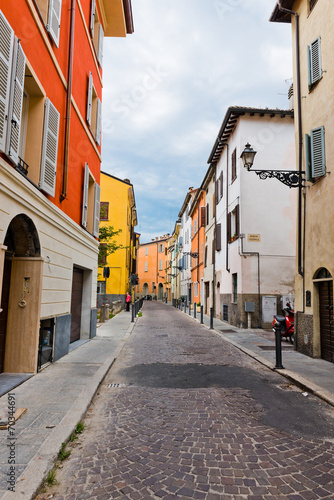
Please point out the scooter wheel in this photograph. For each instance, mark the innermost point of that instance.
(291, 339)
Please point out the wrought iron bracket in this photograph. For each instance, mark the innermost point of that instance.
(192, 254)
(291, 178)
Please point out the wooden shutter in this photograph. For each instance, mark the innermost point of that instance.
(92, 17)
(218, 237)
(16, 103)
(97, 195)
(203, 210)
(100, 47)
(308, 167)
(98, 121)
(228, 227)
(53, 26)
(89, 99)
(6, 57)
(49, 149)
(237, 221)
(85, 196)
(234, 164)
(314, 61)
(207, 213)
(221, 184)
(318, 152)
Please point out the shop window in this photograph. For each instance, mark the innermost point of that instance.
(91, 203)
(50, 11)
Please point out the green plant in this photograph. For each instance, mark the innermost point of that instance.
(73, 437)
(79, 428)
(63, 453)
(111, 315)
(51, 478)
(140, 314)
(107, 245)
(199, 304)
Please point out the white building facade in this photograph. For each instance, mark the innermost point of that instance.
(255, 226)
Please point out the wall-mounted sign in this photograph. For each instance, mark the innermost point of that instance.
(254, 237)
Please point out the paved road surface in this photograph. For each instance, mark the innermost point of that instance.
(183, 414)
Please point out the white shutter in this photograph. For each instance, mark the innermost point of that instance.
(6, 56)
(97, 211)
(53, 25)
(16, 103)
(92, 18)
(85, 196)
(98, 121)
(100, 47)
(90, 99)
(318, 159)
(49, 149)
(315, 55)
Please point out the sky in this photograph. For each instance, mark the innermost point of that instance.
(168, 85)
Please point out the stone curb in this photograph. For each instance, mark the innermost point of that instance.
(35, 473)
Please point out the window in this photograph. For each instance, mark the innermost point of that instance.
(146, 251)
(195, 226)
(235, 288)
(160, 265)
(104, 210)
(233, 225)
(94, 110)
(221, 183)
(96, 32)
(203, 210)
(50, 11)
(234, 165)
(91, 203)
(146, 267)
(314, 62)
(206, 256)
(218, 237)
(161, 248)
(101, 287)
(315, 154)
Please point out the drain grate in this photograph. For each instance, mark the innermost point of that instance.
(115, 386)
(272, 348)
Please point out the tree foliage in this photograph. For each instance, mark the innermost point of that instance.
(108, 244)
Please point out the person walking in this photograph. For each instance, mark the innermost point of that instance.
(127, 301)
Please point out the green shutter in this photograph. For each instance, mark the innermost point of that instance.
(318, 152)
(309, 66)
(308, 166)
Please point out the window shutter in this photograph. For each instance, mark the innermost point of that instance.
(315, 59)
(216, 192)
(207, 213)
(221, 184)
(205, 256)
(309, 70)
(85, 196)
(218, 237)
(49, 149)
(90, 99)
(6, 56)
(202, 216)
(100, 47)
(308, 168)
(53, 25)
(15, 106)
(96, 210)
(213, 252)
(98, 121)
(237, 221)
(228, 227)
(318, 152)
(234, 164)
(213, 204)
(92, 17)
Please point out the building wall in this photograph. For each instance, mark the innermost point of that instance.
(198, 239)
(208, 280)
(150, 254)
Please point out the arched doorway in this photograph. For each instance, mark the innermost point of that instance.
(145, 289)
(324, 282)
(20, 297)
(160, 291)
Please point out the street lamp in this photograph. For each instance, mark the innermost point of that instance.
(291, 178)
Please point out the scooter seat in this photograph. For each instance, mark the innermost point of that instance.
(281, 319)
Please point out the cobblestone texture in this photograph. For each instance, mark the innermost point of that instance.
(196, 443)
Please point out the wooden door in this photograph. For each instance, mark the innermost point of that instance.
(326, 320)
(4, 312)
(76, 304)
(207, 297)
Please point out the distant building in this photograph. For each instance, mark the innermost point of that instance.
(117, 209)
(198, 254)
(152, 268)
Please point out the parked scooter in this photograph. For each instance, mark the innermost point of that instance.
(287, 323)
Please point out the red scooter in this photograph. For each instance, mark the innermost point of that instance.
(287, 323)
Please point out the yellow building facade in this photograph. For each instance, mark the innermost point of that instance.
(117, 209)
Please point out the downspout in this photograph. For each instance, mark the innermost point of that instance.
(300, 145)
(68, 104)
(257, 254)
(214, 260)
(226, 251)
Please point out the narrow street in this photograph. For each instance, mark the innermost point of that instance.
(183, 414)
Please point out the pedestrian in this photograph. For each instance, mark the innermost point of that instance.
(127, 301)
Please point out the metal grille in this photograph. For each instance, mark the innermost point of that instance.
(225, 312)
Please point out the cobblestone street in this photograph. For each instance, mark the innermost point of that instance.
(184, 414)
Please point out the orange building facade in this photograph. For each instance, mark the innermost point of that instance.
(198, 213)
(50, 154)
(152, 268)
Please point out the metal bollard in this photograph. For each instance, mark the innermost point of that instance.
(201, 315)
(195, 307)
(185, 306)
(102, 314)
(189, 308)
(132, 313)
(278, 345)
(211, 318)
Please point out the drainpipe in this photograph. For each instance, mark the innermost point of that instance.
(227, 155)
(68, 103)
(214, 260)
(300, 142)
(256, 254)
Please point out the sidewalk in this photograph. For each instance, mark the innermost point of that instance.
(56, 400)
(313, 375)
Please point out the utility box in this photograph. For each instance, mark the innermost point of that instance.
(269, 308)
(249, 307)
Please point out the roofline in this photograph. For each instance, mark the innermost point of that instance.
(128, 16)
(278, 15)
(155, 241)
(230, 121)
(128, 184)
(185, 203)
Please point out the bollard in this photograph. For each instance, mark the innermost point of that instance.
(106, 312)
(195, 307)
(278, 345)
(102, 314)
(211, 318)
(189, 308)
(201, 315)
(132, 313)
(185, 306)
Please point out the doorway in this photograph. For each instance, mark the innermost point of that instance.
(76, 304)
(4, 306)
(326, 320)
